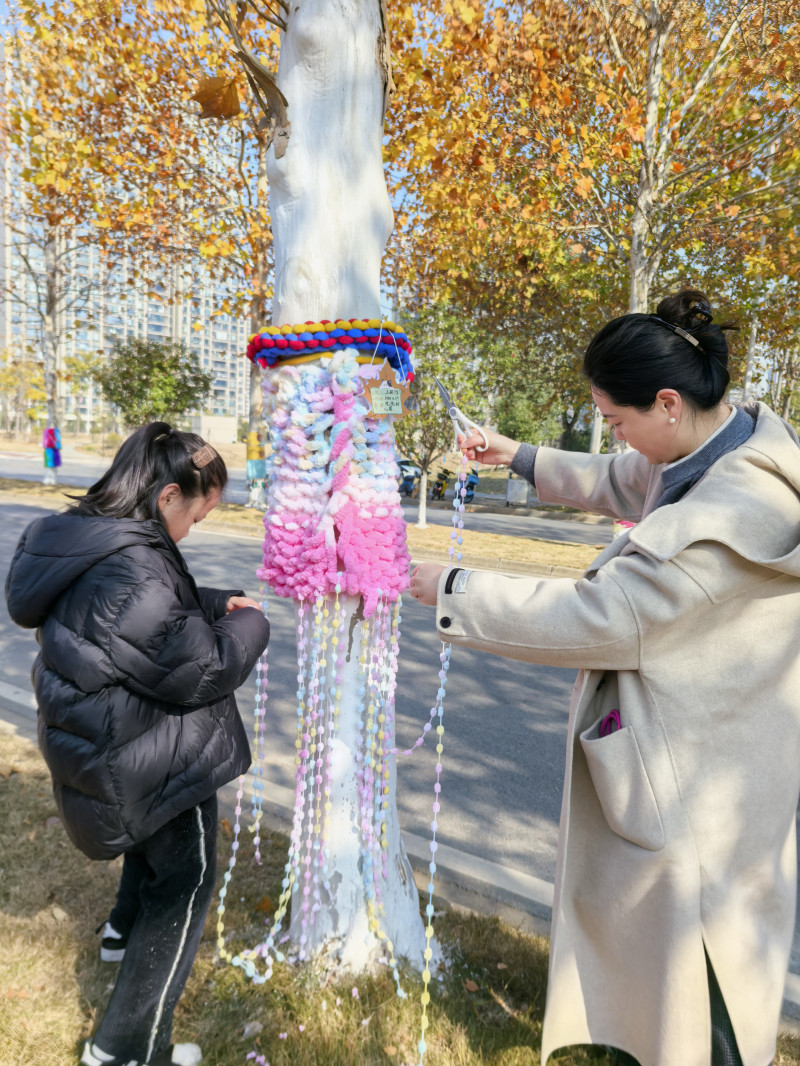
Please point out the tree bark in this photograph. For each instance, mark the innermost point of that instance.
(331, 219)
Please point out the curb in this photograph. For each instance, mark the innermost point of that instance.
(465, 882)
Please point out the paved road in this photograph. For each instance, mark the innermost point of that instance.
(85, 471)
(504, 745)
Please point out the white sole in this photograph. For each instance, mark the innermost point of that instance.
(112, 954)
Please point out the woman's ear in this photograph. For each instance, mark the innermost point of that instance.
(168, 497)
(670, 403)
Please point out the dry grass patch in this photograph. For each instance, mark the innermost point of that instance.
(487, 1003)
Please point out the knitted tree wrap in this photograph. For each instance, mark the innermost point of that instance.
(333, 508)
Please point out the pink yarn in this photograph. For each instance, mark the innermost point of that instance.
(334, 513)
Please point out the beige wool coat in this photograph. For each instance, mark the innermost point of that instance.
(677, 831)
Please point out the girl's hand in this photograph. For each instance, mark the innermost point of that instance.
(235, 602)
(425, 582)
(500, 452)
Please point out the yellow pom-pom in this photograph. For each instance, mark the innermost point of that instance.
(425, 998)
(428, 954)
(287, 329)
(440, 729)
(373, 323)
(426, 975)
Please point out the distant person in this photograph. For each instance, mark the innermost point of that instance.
(675, 882)
(137, 719)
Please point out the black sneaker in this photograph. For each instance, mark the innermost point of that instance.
(113, 944)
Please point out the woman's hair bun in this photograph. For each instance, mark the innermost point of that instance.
(691, 310)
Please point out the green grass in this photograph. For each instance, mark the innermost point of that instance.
(487, 999)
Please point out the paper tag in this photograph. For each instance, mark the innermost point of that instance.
(386, 401)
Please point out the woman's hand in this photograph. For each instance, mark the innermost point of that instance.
(235, 602)
(425, 582)
(500, 452)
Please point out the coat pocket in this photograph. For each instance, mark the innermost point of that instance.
(622, 786)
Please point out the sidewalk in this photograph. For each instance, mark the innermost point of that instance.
(463, 881)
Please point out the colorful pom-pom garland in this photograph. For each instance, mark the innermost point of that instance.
(288, 345)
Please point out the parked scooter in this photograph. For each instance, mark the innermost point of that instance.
(409, 485)
(440, 485)
(470, 485)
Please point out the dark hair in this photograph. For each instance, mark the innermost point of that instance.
(154, 456)
(636, 355)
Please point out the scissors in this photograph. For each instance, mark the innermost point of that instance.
(461, 424)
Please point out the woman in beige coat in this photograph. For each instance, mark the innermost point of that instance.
(675, 881)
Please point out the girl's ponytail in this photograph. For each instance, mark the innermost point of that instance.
(154, 456)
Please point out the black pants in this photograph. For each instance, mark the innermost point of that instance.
(724, 1049)
(164, 894)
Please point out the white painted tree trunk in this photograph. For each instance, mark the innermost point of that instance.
(747, 384)
(331, 219)
(596, 438)
(422, 510)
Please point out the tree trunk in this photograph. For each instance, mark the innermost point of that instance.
(331, 219)
(255, 414)
(644, 255)
(596, 439)
(51, 341)
(747, 385)
(422, 509)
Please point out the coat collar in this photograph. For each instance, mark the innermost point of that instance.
(749, 501)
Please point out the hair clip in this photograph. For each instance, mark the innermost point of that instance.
(702, 309)
(677, 329)
(203, 456)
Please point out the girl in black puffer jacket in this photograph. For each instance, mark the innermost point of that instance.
(137, 719)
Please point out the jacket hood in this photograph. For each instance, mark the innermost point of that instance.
(55, 551)
(749, 500)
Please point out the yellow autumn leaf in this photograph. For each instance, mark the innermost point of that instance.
(218, 97)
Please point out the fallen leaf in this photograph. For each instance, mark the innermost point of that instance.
(470, 986)
(225, 826)
(59, 914)
(265, 905)
(501, 966)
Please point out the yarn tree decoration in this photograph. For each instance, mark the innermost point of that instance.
(334, 530)
(334, 526)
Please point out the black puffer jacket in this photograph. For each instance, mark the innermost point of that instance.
(135, 678)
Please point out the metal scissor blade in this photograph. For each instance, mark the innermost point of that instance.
(444, 394)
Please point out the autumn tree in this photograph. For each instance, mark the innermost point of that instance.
(22, 392)
(631, 139)
(108, 180)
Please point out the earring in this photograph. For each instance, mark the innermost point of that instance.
(671, 421)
